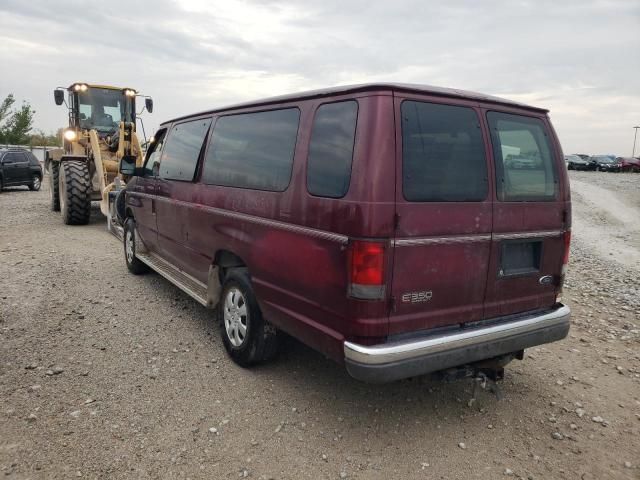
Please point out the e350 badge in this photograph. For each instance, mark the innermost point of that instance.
(417, 297)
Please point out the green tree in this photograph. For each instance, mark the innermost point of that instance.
(5, 107)
(19, 125)
(15, 124)
(41, 139)
(5, 112)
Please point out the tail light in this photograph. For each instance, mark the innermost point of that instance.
(565, 262)
(366, 270)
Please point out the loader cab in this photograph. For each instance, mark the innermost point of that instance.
(101, 109)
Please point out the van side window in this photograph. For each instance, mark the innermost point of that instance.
(443, 154)
(182, 148)
(253, 150)
(331, 149)
(525, 170)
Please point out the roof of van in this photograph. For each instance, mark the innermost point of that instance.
(345, 89)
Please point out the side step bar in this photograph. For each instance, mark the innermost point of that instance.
(180, 279)
(115, 229)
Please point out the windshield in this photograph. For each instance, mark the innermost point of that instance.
(102, 109)
(604, 159)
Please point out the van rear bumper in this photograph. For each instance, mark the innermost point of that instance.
(412, 357)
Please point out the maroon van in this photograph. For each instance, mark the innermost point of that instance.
(398, 229)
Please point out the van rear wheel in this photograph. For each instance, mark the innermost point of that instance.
(248, 338)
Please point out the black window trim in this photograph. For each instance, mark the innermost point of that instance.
(477, 111)
(210, 138)
(200, 158)
(552, 151)
(353, 149)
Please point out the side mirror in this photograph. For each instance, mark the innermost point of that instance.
(148, 103)
(58, 96)
(128, 165)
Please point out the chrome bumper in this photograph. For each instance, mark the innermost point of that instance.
(408, 358)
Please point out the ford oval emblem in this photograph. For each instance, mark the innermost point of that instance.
(546, 280)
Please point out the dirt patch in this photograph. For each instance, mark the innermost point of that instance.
(108, 375)
(606, 215)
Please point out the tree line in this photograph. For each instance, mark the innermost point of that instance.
(16, 125)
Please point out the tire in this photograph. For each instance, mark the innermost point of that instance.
(134, 264)
(75, 192)
(570, 167)
(54, 186)
(120, 206)
(248, 338)
(1, 185)
(35, 184)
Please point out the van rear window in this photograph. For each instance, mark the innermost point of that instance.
(443, 154)
(525, 170)
(253, 150)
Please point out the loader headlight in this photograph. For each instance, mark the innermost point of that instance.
(130, 93)
(70, 135)
(80, 87)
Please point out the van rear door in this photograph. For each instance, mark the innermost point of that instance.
(528, 242)
(444, 214)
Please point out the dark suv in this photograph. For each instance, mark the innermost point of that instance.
(19, 167)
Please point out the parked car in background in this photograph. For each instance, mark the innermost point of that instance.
(398, 229)
(19, 167)
(576, 162)
(606, 163)
(629, 164)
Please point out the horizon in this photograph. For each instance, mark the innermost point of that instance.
(193, 56)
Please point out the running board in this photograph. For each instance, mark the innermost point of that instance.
(180, 279)
(116, 230)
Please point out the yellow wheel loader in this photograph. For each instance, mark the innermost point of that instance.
(100, 135)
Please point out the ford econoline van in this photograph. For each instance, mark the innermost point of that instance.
(397, 229)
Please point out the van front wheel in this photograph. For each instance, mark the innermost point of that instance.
(247, 336)
(134, 265)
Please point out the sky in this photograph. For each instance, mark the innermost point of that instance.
(579, 59)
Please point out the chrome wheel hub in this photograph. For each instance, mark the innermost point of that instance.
(235, 316)
(36, 182)
(128, 246)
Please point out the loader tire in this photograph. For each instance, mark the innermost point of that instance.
(75, 192)
(54, 186)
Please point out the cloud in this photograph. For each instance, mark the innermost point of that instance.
(578, 58)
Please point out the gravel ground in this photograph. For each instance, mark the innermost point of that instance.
(108, 375)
